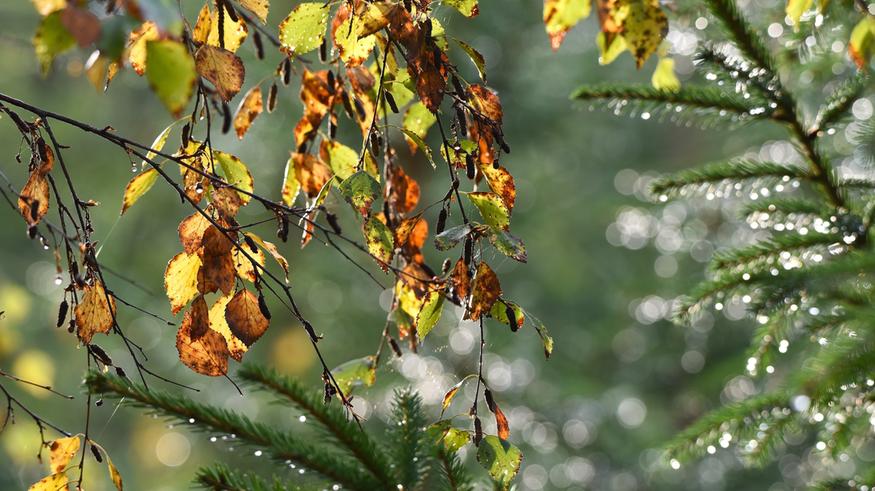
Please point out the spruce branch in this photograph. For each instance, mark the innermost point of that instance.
(747, 40)
(839, 102)
(452, 471)
(411, 452)
(766, 253)
(715, 173)
(786, 207)
(220, 477)
(279, 444)
(333, 420)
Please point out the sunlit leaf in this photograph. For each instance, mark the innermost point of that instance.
(501, 459)
(54, 482)
(664, 77)
(217, 263)
(417, 120)
(271, 249)
(453, 439)
(795, 9)
(499, 312)
(33, 201)
(236, 348)
(419, 143)
(222, 68)
(235, 32)
(51, 39)
(361, 190)
(171, 73)
(61, 451)
(862, 43)
(541, 329)
(461, 279)
(342, 159)
(644, 27)
(404, 191)
(202, 25)
(250, 107)
(347, 31)
(379, 240)
(303, 30)
(291, 186)
(429, 314)
(451, 237)
(501, 183)
(561, 15)
(245, 318)
(485, 291)
(451, 394)
(46, 7)
(191, 232)
(139, 37)
(356, 373)
(235, 172)
(492, 208)
(181, 280)
(311, 173)
(137, 187)
(468, 8)
(508, 244)
(243, 264)
(475, 56)
(206, 354)
(95, 313)
(114, 474)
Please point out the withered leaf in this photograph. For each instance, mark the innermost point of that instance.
(82, 24)
(207, 354)
(403, 190)
(222, 68)
(492, 209)
(379, 240)
(191, 232)
(501, 183)
(148, 31)
(243, 264)
(245, 318)
(94, 314)
(311, 172)
(258, 7)
(33, 201)
(484, 292)
(561, 15)
(218, 323)
(272, 249)
(197, 319)
(250, 107)
(61, 451)
(217, 269)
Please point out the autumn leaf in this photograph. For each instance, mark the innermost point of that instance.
(429, 314)
(311, 173)
(342, 160)
(250, 107)
(235, 173)
(491, 208)
(222, 68)
(861, 46)
(235, 32)
(258, 7)
(500, 312)
(303, 30)
(197, 319)
(114, 474)
(561, 15)
(501, 183)
(94, 314)
(361, 190)
(451, 237)
(245, 318)
(644, 27)
(795, 9)
(206, 354)
(379, 240)
(46, 7)
(291, 186)
(137, 187)
(171, 73)
(181, 279)
(83, 25)
(508, 244)
(664, 77)
(468, 8)
(219, 324)
(33, 201)
(51, 39)
(243, 264)
(451, 394)
(217, 270)
(61, 451)
(417, 121)
(137, 41)
(404, 191)
(500, 419)
(347, 31)
(191, 232)
(54, 482)
(271, 249)
(202, 25)
(461, 280)
(485, 291)
(475, 57)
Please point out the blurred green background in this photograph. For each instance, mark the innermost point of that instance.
(603, 268)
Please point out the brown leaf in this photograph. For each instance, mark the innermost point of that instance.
(207, 354)
(311, 173)
(222, 68)
(217, 271)
(403, 190)
(197, 318)
(250, 107)
(258, 7)
(227, 202)
(244, 317)
(318, 100)
(33, 202)
(82, 24)
(218, 323)
(484, 292)
(191, 232)
(501, 183)
(243, 264)
(93, 314)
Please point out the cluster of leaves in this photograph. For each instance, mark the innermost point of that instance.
(421, 455)
(808, 281)
(61, 453)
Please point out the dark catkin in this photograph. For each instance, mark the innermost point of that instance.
(470, 170)
(186, 134)
(262, 306)
(259, 46)
(282, 231)
(271, 97)
(469, 250)
(323, 50)
(62, 312)
(331, 218)
(96, 453)
(441, 221)
(287, 71)
(226, 118)
(251, 244)
(331, 81)
(478, 431)
(395, 348)
(390, 100)
(511, 318)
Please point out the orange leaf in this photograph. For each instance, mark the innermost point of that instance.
(94, 314)
(311, 173)
(245, 318)
(250, 107)
(207, 354)
(484, 292)
(222, 68)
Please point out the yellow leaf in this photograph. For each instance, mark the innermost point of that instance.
(561, 15)
(54, 482)
(291, 186)
(202, 26)
(347, 31)
(46, 7)
(204, 352)
(610, 50)
(61, 451)
(218, 323)
(148, 31)
(644, 27)
(381, 243)
(114, 474)
(273, 251)
(862, 43)
(137, 187)
(664, 77)
(795, 9)
(180, 279)
(222, 68)
(235, 32)
(93, 314)
(243, 264)
(250, 107)
(258, 7)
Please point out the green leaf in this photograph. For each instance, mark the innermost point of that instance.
(420, 144)
(475, 56)
(508, 244)
(381, 243)
(137, 187)
(862, 43)
(342, 159)
(451, 237)
(50, 40)
(452, 438)
(468, 8)
(541, 329)
(304, 29)
(499, 313)
(171, 73)
(356, 373)
(664, 77)
(500, 458)
(561, 15)
(492, 208)
(429, 314)
(235, 173)
(361, 190)
(417, 120)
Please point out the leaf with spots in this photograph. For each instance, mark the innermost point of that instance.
(380, 242)
(95, 312)
(137, 187)
(222, 68)
(61, 451)
(235, 173)
(250, 107)
(491, 208)
(429, 314)
(259, 8)
(311, 173)
(303, 30)
(340, 158)
(508, 244)
(417, 121)
(501, 459)
(561, 15)
(206, 354)
(468, 8)
(361, 190)
(235, 32)
(485, 291)
(245, 318)
(361, 372)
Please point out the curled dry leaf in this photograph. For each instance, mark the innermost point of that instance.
(245, 318)
(222, 68)
(250, 107)
(94, 314)
(484, 292)
(33, 201)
